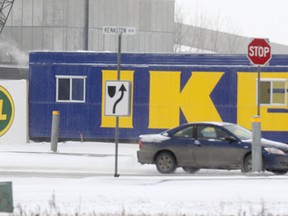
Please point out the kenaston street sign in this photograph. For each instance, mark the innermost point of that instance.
(119, 29)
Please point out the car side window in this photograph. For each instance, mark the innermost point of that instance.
(210, 132)
(206, 132)
(185, 132)
(221, 134)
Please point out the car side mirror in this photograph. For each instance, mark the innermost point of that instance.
(165, 134)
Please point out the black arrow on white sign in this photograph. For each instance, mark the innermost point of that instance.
(122, 89)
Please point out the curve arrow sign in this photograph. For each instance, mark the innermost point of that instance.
(122, 90)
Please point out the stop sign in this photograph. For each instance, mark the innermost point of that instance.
(259, 51)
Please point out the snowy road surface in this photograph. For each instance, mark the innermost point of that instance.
(79, 179)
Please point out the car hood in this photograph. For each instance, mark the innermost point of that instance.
(270, 143)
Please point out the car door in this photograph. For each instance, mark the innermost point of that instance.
(181, 144)
(212, 150)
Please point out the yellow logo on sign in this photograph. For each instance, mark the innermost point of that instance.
(166, 98)
(2, 116)
(7, 110)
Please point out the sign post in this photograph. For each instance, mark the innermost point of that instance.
(117, 117)
(118, 30)
(259, 54)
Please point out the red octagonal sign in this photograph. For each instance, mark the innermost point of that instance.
(259, 51)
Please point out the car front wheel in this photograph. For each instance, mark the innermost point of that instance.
(166, 162)
(247, 164)
(279, 172)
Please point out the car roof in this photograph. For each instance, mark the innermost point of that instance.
(219, 124)
(213, 123)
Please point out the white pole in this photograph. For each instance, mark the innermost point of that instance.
(256, 145)
(55, 130)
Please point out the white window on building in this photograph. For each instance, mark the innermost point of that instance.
(70, 88)
(273, 92)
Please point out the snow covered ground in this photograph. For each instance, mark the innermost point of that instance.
(79, 179)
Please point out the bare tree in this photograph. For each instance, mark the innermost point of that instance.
(215, 36)
(204, 34)
(233, 42)
(179, 30)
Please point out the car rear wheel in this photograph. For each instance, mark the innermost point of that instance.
(247, 164)
(190, 170)
(166, 162)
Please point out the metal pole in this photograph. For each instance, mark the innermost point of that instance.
(117, 117)
(259, 90)
(55, 130)
(119, 56)
(256, 145)
(86, 25)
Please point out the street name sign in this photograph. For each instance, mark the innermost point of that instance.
(119, 30)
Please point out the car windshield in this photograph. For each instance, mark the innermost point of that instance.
(240, 132)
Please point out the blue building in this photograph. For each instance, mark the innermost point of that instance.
(167, 90)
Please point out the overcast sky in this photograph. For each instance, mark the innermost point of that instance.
(251, 18)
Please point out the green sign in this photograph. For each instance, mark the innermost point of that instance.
(7, 111)
(6, 197)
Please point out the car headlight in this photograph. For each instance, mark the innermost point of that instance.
(274, 151)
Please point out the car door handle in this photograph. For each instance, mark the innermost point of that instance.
(197, 143)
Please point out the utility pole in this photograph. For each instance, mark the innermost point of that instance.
(86, 25)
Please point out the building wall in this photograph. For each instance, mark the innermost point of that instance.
(167, 90)
(60, 25)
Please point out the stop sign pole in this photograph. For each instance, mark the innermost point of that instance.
(259, 54)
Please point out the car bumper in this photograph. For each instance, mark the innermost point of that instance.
(145, 157)
(276, 162)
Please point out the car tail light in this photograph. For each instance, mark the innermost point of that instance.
(141, 145)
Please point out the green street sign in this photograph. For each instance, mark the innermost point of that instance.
(7, 110)
(6, 197)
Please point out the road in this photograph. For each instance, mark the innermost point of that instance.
(178, 174)
(84, 160)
